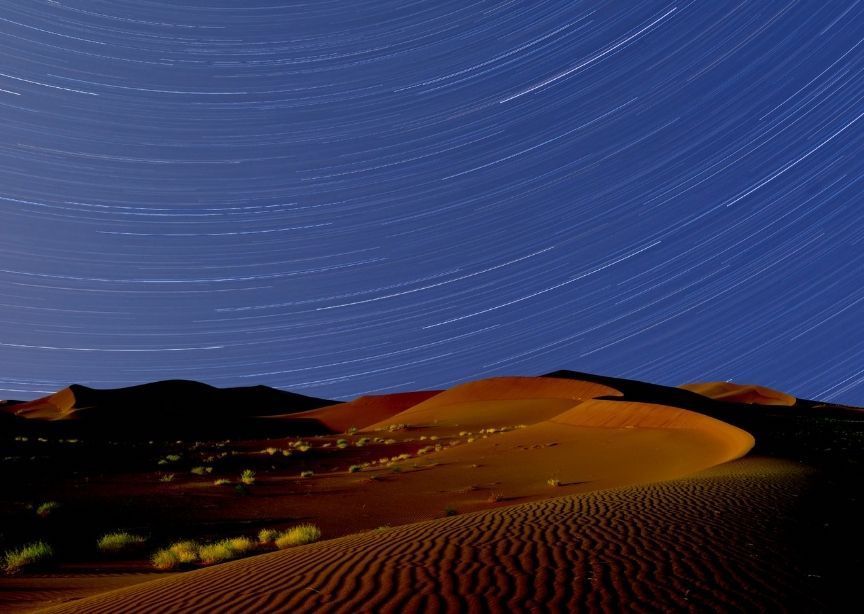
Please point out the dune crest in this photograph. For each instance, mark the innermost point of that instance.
(499, 401)
(749, 394)
(362, 411)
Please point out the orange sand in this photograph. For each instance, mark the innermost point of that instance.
(741, 393)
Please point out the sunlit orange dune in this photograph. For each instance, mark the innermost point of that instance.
(57, 406)
(716, 541)
(741, 393)
(596, 444)
(499, 401)
(362, 411)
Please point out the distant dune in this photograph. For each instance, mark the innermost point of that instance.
(362, 411)
(499, 401)
(741, 393)
(162, 408)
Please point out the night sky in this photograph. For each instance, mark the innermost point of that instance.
(354, 196)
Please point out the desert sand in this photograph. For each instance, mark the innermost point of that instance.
(566, 491)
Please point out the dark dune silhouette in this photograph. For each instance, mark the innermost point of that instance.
(165, 408)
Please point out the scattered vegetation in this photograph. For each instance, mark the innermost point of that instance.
(120, 542)
(27, 557)
(176, 555)
(43, 510)
(185, 553)
(354, 468)
(247, 477)
(201, 470)
(299, 535)
(553, 482)
(221, 482)
(224, 550)
(166, 477)
(267, 536)
(450, 511)
(307, 474)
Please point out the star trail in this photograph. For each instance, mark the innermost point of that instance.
(348, 197)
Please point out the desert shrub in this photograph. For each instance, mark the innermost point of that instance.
(361, 442)
(166, 477)
(165, 559)
(299, 535)
(266, 536)
(221, 482)
(211, 554)
(307, 474)
(172, 458)
(185, 551)
(43, 510)
(353, 468)
(201, 470)
(450, 511)
(553, 482)
(247, 477)
(224, 550)
(120, 541)
(27, 557)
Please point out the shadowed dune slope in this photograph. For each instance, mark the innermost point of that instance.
(168, 408)
(741, 393)
(716, 541)
(362, 411)
(170, 398)
(499, 401)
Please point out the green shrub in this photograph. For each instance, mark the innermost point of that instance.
(247, 477)
(185, 551)
(240, 545)
(299, 535)
(266, 536)
(43, 510)
(307, 474)
(224, 550)
(354, 468)
(221, 482)
(165, 559)
(27, 557)
(119, 542)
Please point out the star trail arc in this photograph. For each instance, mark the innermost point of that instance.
(346, 197)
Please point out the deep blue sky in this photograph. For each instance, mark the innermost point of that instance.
(340, 197)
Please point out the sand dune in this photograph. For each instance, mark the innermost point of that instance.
(571, 492)
(57, 406)
(362, 411)
(168, 408)
(710, 542)
(741, 393)
(498, 401)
